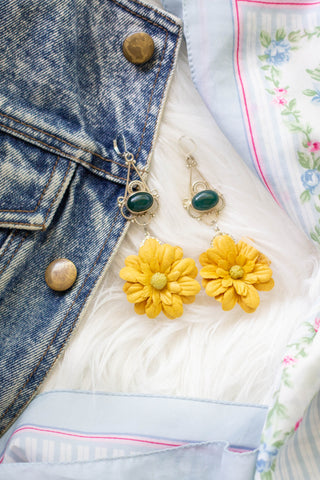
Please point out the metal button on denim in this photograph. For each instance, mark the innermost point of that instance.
(138, 48)
(61, 274)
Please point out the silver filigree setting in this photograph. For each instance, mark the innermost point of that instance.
(142, 218)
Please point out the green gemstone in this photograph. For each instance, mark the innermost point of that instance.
(205, 200)
(140, 202)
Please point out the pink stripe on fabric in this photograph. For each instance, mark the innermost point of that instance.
(258, 2)
(246, 105)
(92, 437)
(292, 4)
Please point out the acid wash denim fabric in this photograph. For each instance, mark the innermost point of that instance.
(66, 91)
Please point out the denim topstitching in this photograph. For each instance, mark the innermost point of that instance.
(62, 153)
(42, 225)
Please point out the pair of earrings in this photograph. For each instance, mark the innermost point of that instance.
(159, 278)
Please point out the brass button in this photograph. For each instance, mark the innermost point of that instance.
(138, 48)
(61, 274)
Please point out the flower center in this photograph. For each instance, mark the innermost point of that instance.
(236, 272)
(159, 281)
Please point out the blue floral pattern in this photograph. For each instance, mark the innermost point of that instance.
(266, 457)
(316, 98)
(311, 180)
(278, 52)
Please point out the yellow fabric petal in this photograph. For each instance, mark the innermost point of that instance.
(148, 250)
(155, 295)
(231, 258)
(250, 278)
(226, 282)
(241, 260)
(152, 309)
(225, 265)
(229, 299)
(166, 257)
(189, 299)
(249, 266)
(214, 288)
(252, 298)
(132, 287)
(223, 273)
(189, 286)
(132, 275)
(138, 295)
(265, 286)
(225, 246)
(245, 307)
(173, 287)
(205, 282)
(166, 297)
(173, 276)
(247, 250)
(262, 272)
(175, 310)
(145, 268)
(132, 261)
(186, 267)
(140, 308)
(240, 287)
(263, 259)
(209, 271)
(204, 259)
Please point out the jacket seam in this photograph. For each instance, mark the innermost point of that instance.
(61, 324)
(151, 96)
(157, 11)
(56, 195)
(42, 225)
(57, 138)
(158, 72)
(67, 155)
(142, 16)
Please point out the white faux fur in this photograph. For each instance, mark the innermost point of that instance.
(206, 353)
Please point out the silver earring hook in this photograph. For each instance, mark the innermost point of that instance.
(128, 156)
(115, 145)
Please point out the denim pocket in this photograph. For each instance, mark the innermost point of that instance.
(32, 183)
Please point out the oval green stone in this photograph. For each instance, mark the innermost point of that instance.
(205, 200)
(140, 202)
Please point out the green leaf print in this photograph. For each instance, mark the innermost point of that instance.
(265, 38)
(304, 160)
(305, 196)
(266, 475)
(315, 74)
(309, 93)
(294, 36)
(280, 34)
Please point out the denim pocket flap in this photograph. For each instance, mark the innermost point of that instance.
(32, 183)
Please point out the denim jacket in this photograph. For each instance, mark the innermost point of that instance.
(66, 91)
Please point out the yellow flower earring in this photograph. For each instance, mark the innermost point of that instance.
(158, 279)
(232, 272)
